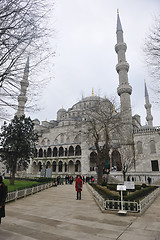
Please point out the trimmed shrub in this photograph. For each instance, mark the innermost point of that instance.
(105, 193)
(137, 187)
(144, 185)
(138, 195)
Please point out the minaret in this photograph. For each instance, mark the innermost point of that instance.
(124, 90)
(22, 99)
(148, 106)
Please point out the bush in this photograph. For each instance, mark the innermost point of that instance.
(137, 187)
(45, 179)
(112, 187)
(104, 184)
(105, 193)
(138, 195)
(144, 185)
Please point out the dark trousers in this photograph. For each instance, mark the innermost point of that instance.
(78, 195)
(0, 220)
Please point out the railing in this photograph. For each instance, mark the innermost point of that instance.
(127, 206)
(97, 196)
(26, 192)
(148, 200)
(115, 205)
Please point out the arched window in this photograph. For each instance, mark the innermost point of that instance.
(77, 150)
(49, 152)
(45, 153)
(54, 166)
(39, 166)
(116, 160)
(93, 164)
(61, 152)
(54, 152)
(48, 165)
(65, 167)
(60, 165)
(66, 151)
(71, 151)
(152, 146)
(71, 167)
(35, 153)
(139, 147)
(77, 166)
(40, 152)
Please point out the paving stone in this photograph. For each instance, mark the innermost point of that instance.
(56, 214)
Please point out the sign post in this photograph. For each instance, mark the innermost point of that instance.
(121, 188)
(129, 185)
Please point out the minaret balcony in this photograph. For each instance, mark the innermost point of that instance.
(149, 118)
(120, 46)
(147, 106)
(22, 98)
(122, 66)
(124, 88)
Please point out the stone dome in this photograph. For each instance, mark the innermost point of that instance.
(89, 102)
(60, 113)
(61, 110)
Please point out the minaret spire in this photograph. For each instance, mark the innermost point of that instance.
(119, 26)
(124, 90)
(148, 106)
(22, 99)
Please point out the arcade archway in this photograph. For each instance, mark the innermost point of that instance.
(116, 160)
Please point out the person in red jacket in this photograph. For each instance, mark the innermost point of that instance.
(78, 187)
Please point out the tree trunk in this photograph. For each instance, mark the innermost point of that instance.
(13, 171)
(124, 176)
(100, 174)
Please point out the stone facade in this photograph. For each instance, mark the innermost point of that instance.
(63, 145)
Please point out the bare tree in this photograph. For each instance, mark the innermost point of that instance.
(105, 131)
(102, 123)
(128, 159)
(152, 53)
(23, 31)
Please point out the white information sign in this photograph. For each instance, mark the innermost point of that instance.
(129, 185)
(121, 188)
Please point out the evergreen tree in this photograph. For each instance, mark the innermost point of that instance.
(18, 143)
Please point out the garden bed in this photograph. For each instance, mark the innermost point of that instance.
(137, 201)
(109, 191)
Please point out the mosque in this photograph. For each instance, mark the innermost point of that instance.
(64, 150)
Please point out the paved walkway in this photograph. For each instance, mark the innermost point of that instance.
(55, 214)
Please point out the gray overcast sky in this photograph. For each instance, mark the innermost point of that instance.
(85, 56)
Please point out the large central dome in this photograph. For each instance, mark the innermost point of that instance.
(89, 102)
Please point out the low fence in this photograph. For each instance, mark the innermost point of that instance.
(149, 199)
(115, 205)
(28, 191)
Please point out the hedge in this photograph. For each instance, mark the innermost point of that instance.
(135, 195)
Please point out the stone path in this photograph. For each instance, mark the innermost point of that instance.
(55, 214)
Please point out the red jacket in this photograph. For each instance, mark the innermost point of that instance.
(78, 184)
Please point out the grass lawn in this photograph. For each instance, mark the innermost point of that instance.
(19, 184)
